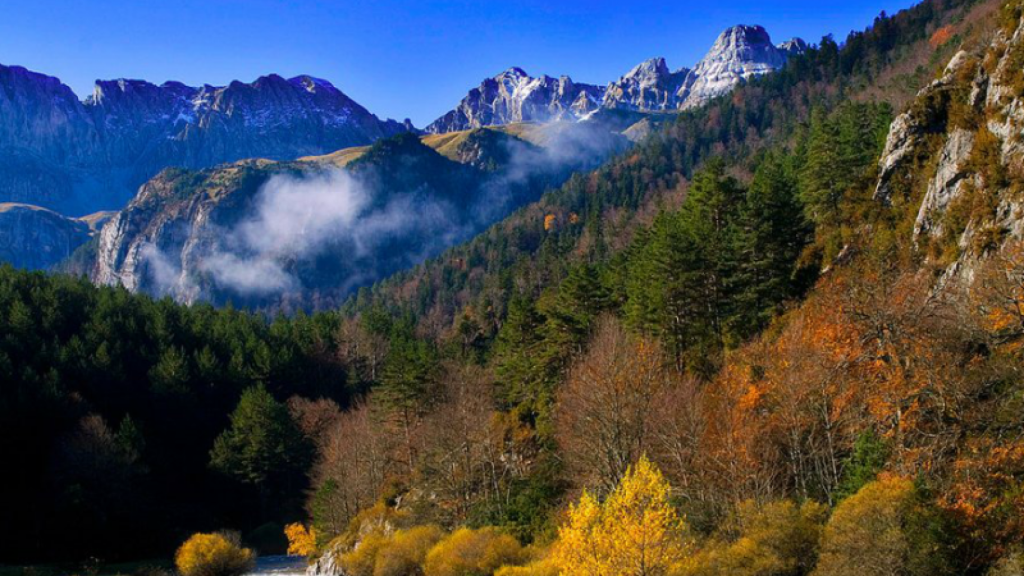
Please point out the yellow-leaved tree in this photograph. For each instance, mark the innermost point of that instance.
(635, 532)
(301, 540)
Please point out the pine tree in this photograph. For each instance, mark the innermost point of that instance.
(773, 232)
(406, 381)
(517, 355)
(262, 447)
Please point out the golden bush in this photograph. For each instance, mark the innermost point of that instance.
(406, 552)
(468, 552)
(539, 568)
(870, 533)
(216, 554)
(778, 538)
(400, 553)
(362, 559)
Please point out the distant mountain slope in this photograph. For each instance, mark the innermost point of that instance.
(305, 234)
(579, 143)
(36, 238)
(740, 53)
(79, 157)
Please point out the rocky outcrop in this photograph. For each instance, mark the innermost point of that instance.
(79, 157)
(950, 178)
(957, 149)
(327, 564)
(36, 238)
(740, 53)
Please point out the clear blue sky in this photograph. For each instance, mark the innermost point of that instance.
(411, 58)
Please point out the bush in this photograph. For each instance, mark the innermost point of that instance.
(218, 554)
(885, 528)
(778, 538)
(541, 568)
(469, 552)
(362, 559)
(538, 562)
(405, 554)
(401, 553)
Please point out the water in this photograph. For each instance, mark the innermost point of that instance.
(280, 566)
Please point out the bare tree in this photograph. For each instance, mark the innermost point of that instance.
(604, 409)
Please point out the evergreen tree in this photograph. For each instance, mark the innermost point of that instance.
(824, 176)
(406, 381)
(773, 233)
(262, 447)
(683, 285)
(517, 357)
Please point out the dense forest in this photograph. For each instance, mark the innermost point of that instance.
(730, 350)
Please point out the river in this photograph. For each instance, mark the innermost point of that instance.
(280, 566)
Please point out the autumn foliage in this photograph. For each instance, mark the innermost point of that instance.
(468, 552)
(634, 532)
(301, 540)
(215, 554)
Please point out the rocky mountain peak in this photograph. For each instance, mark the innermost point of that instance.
(735, 39)
(312, 84)
(515, 96)
(739, 53)
(513, 72)
(794, 46)
(648, 72)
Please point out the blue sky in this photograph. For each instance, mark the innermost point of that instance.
(413, 58)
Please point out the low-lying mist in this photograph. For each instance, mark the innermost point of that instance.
(330, 230)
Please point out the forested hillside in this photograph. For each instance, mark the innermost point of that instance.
(781, 336)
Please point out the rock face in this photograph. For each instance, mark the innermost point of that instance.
(327, 564)
(964, 129)
(515, 96)
(740, 53)
(79, 157)
(650, 86)
(36, 238)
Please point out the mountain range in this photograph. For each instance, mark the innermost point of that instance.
(80, 156)
(739, 53)
(62, 159)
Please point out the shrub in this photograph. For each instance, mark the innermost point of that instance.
(468, 552)
(406, 552)
(218, 554)
(884, 528)
(538, 562)
(541, 568)
(778, 538)
(362, 559)
(1011, 564)
(383, 553)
